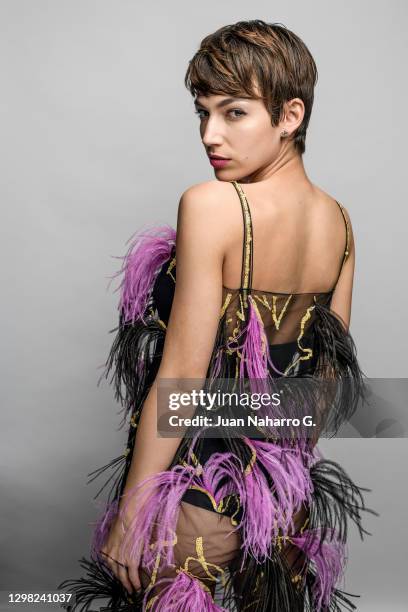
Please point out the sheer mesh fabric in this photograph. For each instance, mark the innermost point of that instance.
(207, 550)
(285, 317)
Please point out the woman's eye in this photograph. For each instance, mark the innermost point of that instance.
(237, 110)
(232, 110)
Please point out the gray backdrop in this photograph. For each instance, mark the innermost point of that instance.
(98, 137)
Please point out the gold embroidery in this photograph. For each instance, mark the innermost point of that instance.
(285, 538)
(194, 458)
(165, 543)
(133, 419)
(248, 240)
(151, 601)
(258, 314)
(248, 468)
(223, 508)
(296, 578)
(217, 507)
(236, 377)
(272, 308)
(304, 525)
(263, 300)
(155, 569)
(170, 267)
(233, 521)
(240, 314)
(248, 232)
(199, 467)
(308, 351)
(275, 320)
(225, 305)
(205, 564)
(159, 321)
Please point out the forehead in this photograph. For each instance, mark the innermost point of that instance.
(218, 100)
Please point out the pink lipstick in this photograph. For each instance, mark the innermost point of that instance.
(219, 162)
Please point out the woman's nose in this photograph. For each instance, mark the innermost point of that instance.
(211, 133)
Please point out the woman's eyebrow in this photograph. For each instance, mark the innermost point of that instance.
(222, 103)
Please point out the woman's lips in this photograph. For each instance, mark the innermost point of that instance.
(218, 163)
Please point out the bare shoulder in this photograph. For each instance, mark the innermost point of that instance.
(201, 212)
(328, 200)
(207, 193)
(202, 203)
(332, 204)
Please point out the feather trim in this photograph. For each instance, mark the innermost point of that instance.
(270, 503)
(133, 360)
(99, 583)
(336, 500)
(329, 558)
(158, 499)
(147, 252)
(338, 359)
(182, 594)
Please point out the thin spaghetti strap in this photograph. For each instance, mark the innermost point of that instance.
(347, 247)
(247, 247)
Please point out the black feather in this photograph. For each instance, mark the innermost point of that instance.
(99, 583)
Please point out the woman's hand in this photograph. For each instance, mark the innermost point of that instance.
(121, 565)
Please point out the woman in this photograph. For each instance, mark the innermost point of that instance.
(265, 263)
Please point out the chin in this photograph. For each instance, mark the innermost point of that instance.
(223, 174)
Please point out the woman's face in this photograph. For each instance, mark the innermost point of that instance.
(240, 130)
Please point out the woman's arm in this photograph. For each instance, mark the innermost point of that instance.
(342, 295)
(341, 305)
(192, 325)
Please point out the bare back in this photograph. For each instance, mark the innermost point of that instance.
(288, 256)
(299, 245)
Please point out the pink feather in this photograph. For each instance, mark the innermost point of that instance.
(149, 249)
(183, 594)
(329, 558)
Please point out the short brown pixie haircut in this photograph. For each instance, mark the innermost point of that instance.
(238, 58)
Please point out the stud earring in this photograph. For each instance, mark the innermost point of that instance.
(284, 133)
